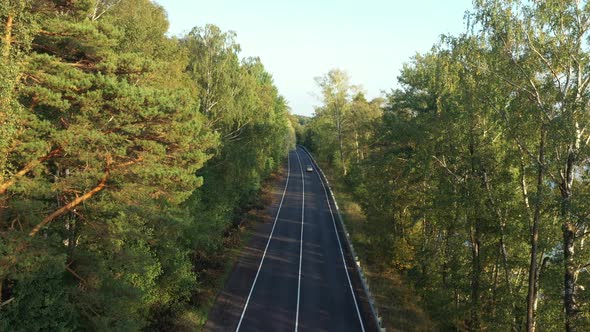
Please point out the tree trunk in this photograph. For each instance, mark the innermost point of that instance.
(72, 237)
(7, 88)
(569, 298)
(495, 287)
(569, 237)
(341, 143)
(338, 122)
(507, 273)
(532, 282)
(474, 324)
(356, 145)
(7, 36)
(474, 233)
(502, 246)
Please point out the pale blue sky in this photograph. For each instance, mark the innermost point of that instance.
(299, 40)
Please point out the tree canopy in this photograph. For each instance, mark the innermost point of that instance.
(120, 150)
(474, 172)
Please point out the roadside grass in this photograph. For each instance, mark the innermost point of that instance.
(397, 304)
(213, 279)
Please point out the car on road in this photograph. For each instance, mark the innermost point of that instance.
(309, 168)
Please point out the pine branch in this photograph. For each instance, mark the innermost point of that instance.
(101, 185)
(29, 167)
(81, 199)
(55, 34)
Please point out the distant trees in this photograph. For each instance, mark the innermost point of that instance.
(244, 108)
(474, 178)
(115, 145)
(341, 124)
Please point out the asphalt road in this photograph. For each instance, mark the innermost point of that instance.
(295, 274)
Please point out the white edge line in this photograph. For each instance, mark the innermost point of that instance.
(339, 243)
(267, 243)
(300, 242)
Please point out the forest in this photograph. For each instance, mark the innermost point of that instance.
(474, 172)
(125, 156)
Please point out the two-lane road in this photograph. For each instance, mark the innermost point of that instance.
(296, 274)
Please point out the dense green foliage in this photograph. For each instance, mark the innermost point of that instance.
(125, 156)
(474, 173)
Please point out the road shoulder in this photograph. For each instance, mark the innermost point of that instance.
(226, 311)
(396, 302)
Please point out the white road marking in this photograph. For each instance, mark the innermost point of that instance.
(339, 243)
(300, 242)
(267, 243)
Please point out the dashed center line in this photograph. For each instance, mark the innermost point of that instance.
(300, 242)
